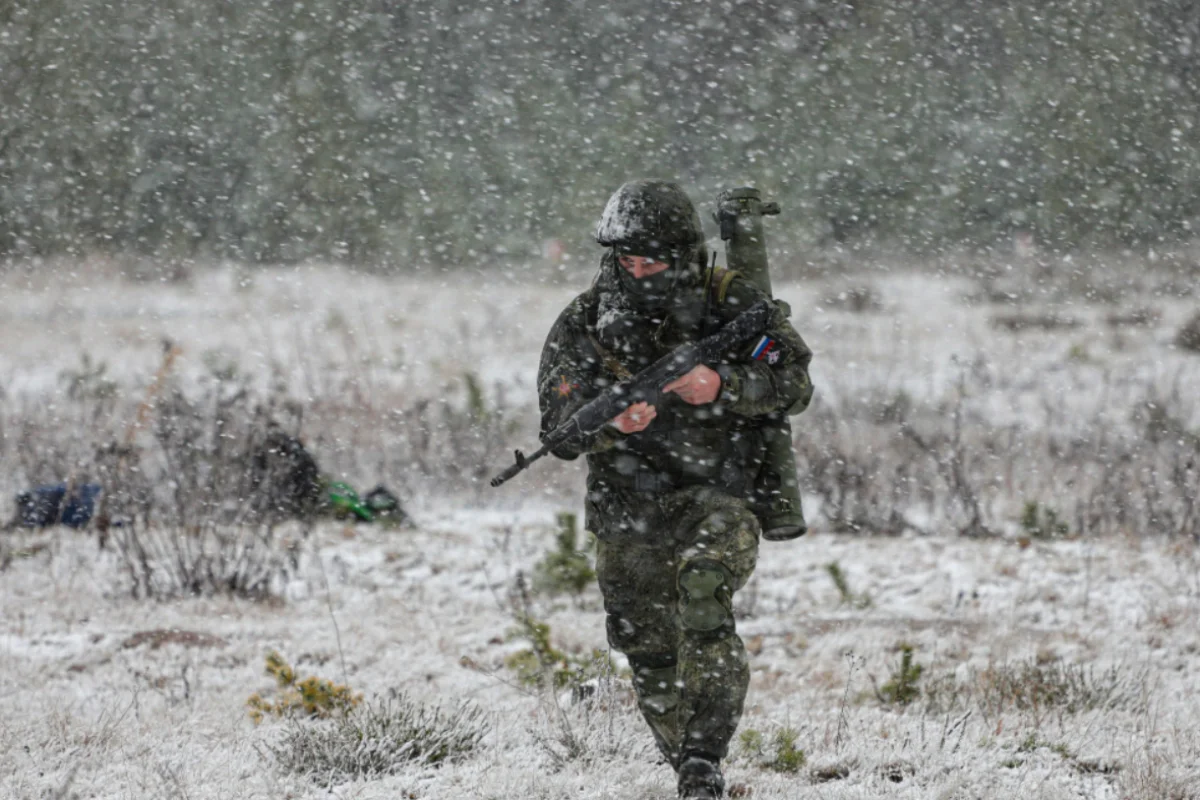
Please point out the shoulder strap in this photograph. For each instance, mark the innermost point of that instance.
(726, 280)
(718, 280)
(610, 361)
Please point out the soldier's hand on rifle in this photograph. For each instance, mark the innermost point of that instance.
(700, 386)
(635, 418)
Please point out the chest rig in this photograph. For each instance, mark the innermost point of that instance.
(686, 445)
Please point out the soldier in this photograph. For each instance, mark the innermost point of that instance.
(667, 485)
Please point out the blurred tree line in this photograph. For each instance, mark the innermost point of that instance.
(398, 132)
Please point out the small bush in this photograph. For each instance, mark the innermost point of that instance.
(378, 738)
(543, 665)
(161, 563)
(781, 755)
(310, 697)
(901, 688)
(1042, 522)
(566, 569)
(752, 742)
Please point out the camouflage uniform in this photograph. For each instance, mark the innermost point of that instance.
(676, 536)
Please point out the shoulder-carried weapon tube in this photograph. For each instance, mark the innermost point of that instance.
(647, 385)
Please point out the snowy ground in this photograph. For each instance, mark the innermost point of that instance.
(87, 705)
(90, 711)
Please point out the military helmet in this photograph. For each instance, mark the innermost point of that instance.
(650, 218)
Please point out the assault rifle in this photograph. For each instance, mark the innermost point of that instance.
(647, 385)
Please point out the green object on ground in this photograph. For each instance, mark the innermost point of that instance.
(345, 501)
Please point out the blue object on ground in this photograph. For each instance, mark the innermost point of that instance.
(47, 505)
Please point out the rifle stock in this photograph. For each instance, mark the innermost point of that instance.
(647, 385)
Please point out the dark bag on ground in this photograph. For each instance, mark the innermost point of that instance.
(51, 504)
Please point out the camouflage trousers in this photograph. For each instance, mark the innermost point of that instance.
(669, 600)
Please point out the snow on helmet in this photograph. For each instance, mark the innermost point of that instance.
(650, 218)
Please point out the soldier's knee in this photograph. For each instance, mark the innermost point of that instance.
(728, 537)
(735, 526)
(706, 599)
(742, 523)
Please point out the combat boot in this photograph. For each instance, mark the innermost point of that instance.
(700, 778)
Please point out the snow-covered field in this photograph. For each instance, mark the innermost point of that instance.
(90, 709)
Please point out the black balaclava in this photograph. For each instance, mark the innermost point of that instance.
(652, 292)
(655, 219)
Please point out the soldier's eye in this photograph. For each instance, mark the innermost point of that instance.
(632, 262)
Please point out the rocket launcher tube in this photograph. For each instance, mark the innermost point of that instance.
(647, 385)
(739, 215)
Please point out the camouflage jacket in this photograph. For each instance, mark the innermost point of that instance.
(595, 343)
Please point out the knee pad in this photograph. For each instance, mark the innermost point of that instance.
(705, 597)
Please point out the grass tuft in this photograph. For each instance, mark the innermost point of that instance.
(1037, 687)
(378, 738)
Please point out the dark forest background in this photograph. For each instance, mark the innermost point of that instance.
(392, 133)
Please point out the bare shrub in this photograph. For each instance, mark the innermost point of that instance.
(1159, 776)
(227, 460)
(46, 444)
(193, 488)
(1037, 688)
(195, 511)
(849, 458)
(164, 562)
(876, 455)
(378, 738)
(879, 464)
(599, 727)
(466, 440)
(958, 465)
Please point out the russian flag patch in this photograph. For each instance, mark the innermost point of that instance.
(765, 349)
